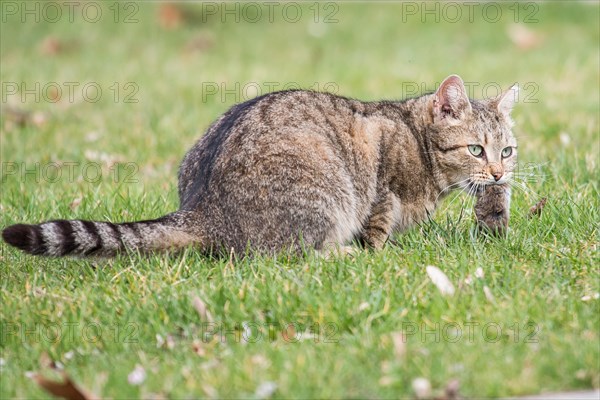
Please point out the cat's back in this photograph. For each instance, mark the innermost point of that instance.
(259, 124)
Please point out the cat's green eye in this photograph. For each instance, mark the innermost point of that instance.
(506, 152)
(476, 150)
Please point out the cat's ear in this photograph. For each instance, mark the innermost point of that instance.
(506, 101)
(450, 102)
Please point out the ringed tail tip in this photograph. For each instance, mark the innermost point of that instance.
(24, 237)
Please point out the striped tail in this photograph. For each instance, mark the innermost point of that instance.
(100, 239)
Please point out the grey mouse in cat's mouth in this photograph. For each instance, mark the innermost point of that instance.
(301, 169)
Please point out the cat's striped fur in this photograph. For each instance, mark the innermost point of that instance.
(103, 239)
(300, 168)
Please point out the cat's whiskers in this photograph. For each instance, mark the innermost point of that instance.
(470, 197)
(470, 201)
(521, 186)
(449, 188)
(471, 187)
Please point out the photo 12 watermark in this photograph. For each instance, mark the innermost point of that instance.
(68, 172)
(68, 332)
(256, 332)
(68, 91)
(470, 332)
(69, 11)
(236, 92)
(453, 12)
(270, 11)
(527, 93)
(128, 12)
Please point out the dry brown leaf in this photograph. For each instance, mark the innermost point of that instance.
(170, 16)
(538, 207)
(451, 391)
(167, 342)
(523, 37)
(200, 307)
(66, 389)
(17, 117)
(387, 380)
(289, 334)
(75, 203)
(47, 362)
(53, 94)
(399, 341)
(210, 391)
(38, 119)
(198, 348)
(51, 46)
(200, 43)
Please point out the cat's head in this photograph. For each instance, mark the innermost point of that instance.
(472, 140)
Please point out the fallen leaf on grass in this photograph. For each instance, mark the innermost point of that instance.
(451, 391)
(66, 389)
(565, 138)
(265, 390)
(210, 391)
(488, 295)
(170, 16)
(422, 388)
(75, 203)
(469, 279)
(260, 361)
(167, 342)
(289, 334)
(440, 280)
(198, 348)
(38, 119)
(51, 46)
(53, 94)
(479, 273)
(15, 116)
(200, 43)
(108, 159)
(588, 297)
(387, 380)
(523, 37)
(538, 207)
(47, 362)
(137, 376)
(399, 341)
(200, 307)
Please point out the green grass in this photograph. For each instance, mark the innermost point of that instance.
(538, 275)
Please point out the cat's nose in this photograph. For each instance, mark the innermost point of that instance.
(497, 176)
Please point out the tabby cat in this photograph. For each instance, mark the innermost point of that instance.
(300, 168)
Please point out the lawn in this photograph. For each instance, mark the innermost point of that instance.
(97, 116)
